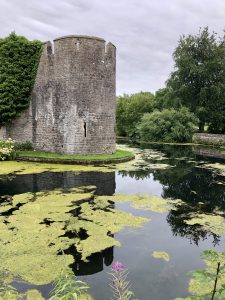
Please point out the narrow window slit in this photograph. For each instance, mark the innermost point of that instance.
(85, 129)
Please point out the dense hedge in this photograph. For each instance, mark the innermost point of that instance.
(19, 60)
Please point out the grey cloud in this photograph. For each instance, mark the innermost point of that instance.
(145, 32)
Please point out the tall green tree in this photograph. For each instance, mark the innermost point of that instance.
(165, 98)
(199, 77)
(19, 60)
(129, 111)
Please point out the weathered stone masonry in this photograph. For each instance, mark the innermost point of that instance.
(72, 109)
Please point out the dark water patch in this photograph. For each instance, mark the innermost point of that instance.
(104, 182)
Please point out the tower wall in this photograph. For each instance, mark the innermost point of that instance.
(72, 110)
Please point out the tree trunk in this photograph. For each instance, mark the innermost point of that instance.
(201, 126)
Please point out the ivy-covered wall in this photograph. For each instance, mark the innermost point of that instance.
(19, 59)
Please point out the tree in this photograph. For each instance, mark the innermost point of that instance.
(199, 77)
(168, 126)
(130, 109)
(19, 60)
(165, 98)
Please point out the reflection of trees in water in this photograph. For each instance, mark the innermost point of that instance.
(171, 151)
(192, 185)
(140, 174)
(189, 183)
(194, 233)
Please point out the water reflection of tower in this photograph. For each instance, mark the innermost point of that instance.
(105, 185)
(104, 182)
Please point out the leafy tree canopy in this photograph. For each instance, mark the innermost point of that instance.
(19, 60)
(130, 109)
(199, 77)
(165, 98)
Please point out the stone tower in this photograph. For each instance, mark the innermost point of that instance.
(72, 108)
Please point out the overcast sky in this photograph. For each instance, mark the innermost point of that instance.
(145, 32)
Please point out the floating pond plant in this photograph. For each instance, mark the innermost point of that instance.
(214, 222)
(161, 255)
(34, 231)
(220, 168)
(146, 202)
(21, 168)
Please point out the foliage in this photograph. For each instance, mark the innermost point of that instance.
(119, 284)
(67, 287)
(199, 77)
(10, 293)
(165, 98)
(27, 146)
(19, 59)
(7, 149)
(168, 126)
(209, 283)
(130, 109)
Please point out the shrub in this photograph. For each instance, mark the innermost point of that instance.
(168, 125)
(27, 146)
(7, 149)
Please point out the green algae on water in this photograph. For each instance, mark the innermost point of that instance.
(220, 168)
(161, 255)
(146, 202)
(33, 235)
(214, 222)
(100, 225)
(22, 168)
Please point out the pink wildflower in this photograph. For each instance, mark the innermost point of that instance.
(117, 266)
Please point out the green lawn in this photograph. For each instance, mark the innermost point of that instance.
(117, 155)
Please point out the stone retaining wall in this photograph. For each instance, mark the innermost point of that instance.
(208, 138)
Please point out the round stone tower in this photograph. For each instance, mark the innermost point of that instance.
(72, 108)
(74, 97)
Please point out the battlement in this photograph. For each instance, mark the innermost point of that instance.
(72, 44)
(79, 37)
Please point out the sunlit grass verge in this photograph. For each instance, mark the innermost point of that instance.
(119, 155)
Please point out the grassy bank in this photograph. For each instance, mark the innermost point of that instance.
(119, 154)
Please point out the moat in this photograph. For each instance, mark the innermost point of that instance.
(157, 197)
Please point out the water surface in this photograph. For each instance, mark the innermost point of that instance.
(170, 172)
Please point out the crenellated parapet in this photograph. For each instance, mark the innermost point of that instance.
(73, 100)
